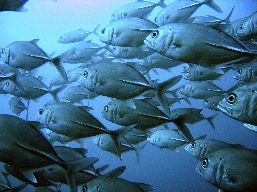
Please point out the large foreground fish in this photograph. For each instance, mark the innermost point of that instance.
(198, 44)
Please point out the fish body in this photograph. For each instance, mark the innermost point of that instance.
(200, 90)
(231, 170)
(24, 54)
(167, 138)
(139, 9)
(200, 73)
(202, 148)
(240, 103)
(16, 105)
(197, 44)
(179, 11)
(127, 32)
(110, 184)
(69, 120)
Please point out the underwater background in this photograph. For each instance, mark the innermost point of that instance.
(165, 170)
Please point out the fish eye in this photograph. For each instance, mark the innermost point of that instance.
(241, 26)
(84, 188)
(193, 145)
(41, 111)
(97, 188)
(85, 74)
(155, 34)
(103, 30)
(2, 51)
(239, 71)
(114, 48)
(231, 98)
(7, 83)
(205, 163)
(106, 108)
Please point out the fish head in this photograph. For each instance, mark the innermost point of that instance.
(186, 71)
(159, 40)
(5, 55)
(107, 111)
(89, 79)
(154, 138)
(185, 89)
(10, 87)
(234, 104)
(45, 115)
(211, 169)
(96, 185)
(117, 15)
(116, 50)
(105, 142)
(107, 34)
(244, 74)
(246, 29)
(197, 148)
(161, 19)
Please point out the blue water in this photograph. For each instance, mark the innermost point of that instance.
(165, 170)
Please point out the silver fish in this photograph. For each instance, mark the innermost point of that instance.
(127, 32)
(230, 169)
(198, 44)
(139, 9)
(200, 73)
(179, 11)
(200, 90)
(202, 148)
(248, 28)
(247, 73)
(167, 138)
(76, 36)
(240, 103)
(28, 55)
(112, 184)
(16, 105)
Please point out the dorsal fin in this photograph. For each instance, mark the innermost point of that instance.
(34, 41)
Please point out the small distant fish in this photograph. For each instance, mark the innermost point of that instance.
(76, 36)
(200, 90)
(179, 11)
(197, 44)
(127, 32)
(16, 105)
(200, 73)
(12, 5)
(139, 9)
(230, 169)
(167, 138)
(240, 103)
(248, 29)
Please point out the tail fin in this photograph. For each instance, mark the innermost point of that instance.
(210, 120)
(161, 4)
(55, 91)
(59, 67)
(213, 5)
(227, 19)
(184, 129)
(162, 88)
(95, 30)
(116, 172)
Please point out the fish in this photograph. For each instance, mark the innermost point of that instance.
(200, 73)
(197, 44)
(13, 5)
(77, 93)
(73, 121)
(202, 148)
(230, 169)
(28, 55)
(139, 9)
(239, 103)
(112, 184)
(79, 53)
(76, 35)
(200, 90)
(143, 115)
(16, 105)
(104, 78)
(246, 73)
(130, 52)
(127, 32)
(7, 71)
(128, 141)
(24, 143)
(180, 11)
(247, 29)
(167, 139)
